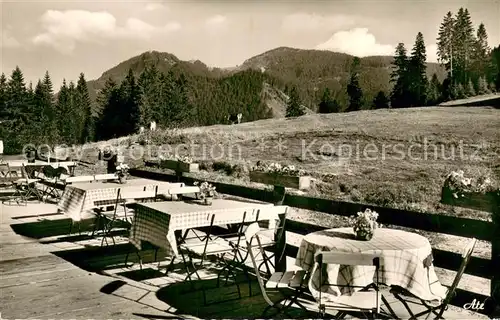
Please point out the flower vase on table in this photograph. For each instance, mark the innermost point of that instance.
(207, 192)
(364, 224)
(122, 172)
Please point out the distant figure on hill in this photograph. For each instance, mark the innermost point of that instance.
(235, 118)
(152, 126)
(141, 130)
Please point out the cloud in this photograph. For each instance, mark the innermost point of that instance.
(312, 22)
(216, 20)
(358, 42)
(7, 40)
(431, 51)
(63, 29)
(155, 6)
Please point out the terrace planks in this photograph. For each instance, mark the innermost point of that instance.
(72, 278)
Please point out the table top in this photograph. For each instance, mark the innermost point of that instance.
(342, 239)
(19, 163)
(182, 207)
(113, 184)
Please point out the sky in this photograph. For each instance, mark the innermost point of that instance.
(68, 37)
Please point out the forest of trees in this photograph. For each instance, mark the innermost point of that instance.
(178, 98)
(38, 116)
(473, 69)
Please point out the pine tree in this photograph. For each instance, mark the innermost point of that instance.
(130, 113)
(417, 73)
(469, 90)
(49, 117)
(399, 76)
(380, 101)
(482, 86)
(445, 42)
(3, 96)
(150, 86)
(88, 119)
(463, 46)
(328, 104)
(460, 92)
(353, 89)
(294, 108)
(16, 113)
(434, 91)
(167, 98)
(110, 99)
(493, 76)
(481, 54)
(64, 110)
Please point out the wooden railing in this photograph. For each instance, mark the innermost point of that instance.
(457, 226)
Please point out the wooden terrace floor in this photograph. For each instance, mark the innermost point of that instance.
(46, 274)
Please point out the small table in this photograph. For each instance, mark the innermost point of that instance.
(157, 222)
(79, 199)
(407, 262)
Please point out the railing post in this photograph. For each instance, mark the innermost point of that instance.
(495, 257)
(279, 258)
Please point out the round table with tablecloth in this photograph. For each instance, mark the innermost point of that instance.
(407, 262)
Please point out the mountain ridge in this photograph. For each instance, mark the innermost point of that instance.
(311, 71)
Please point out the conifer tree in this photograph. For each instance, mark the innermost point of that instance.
(294, 108)
(434, 91)
(399, 76)
(130, 113)
(482, 86)
(481, 54)
(86, 113)
(328, 104)
(469, 90)
(150, 86)
(463, 45)
(353, 89)
(445, 42)
(380, 101)
(417, 72)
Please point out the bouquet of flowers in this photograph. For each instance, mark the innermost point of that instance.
(206, 190)
(122, 170)
(278, 169)
(364, 224)
(458, 184)
(184, 159)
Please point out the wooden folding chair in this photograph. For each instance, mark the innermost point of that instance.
(206, 246)
(366, 301)
(437, 310)
(124, 198)
(51, 176)
(25, 188)
(270, 234)
(291, 284)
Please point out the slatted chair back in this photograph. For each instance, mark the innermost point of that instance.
(466, 254)
(349, 259)
(288, 280)
(5, 173)
(253, 243)
(274, 233)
